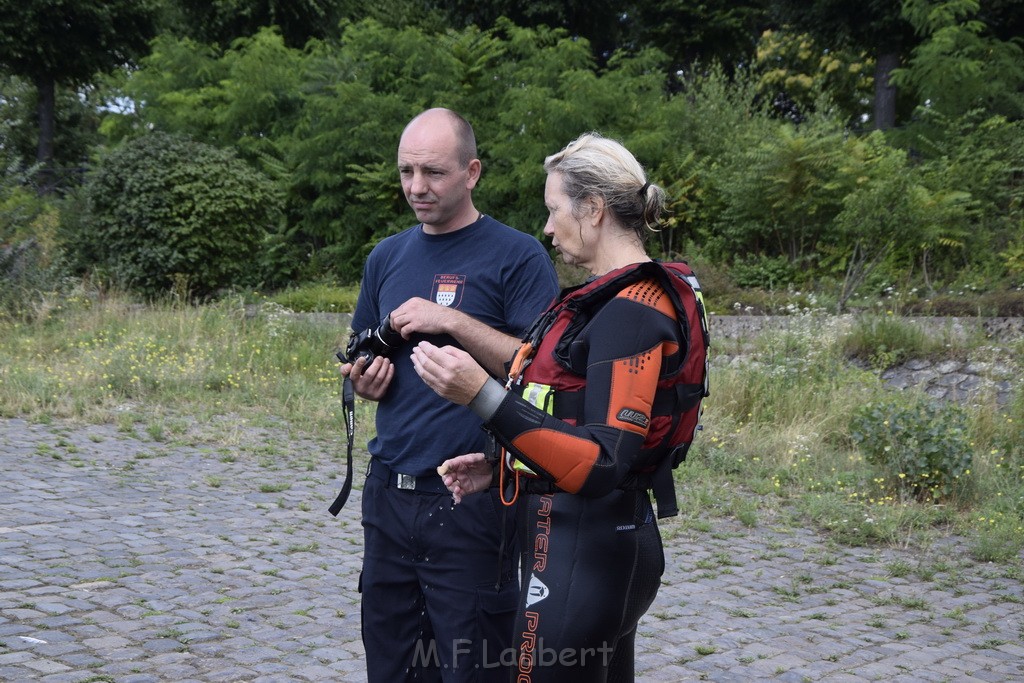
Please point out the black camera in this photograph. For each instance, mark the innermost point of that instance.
(370, 343)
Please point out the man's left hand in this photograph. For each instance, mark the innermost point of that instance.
(420, 315)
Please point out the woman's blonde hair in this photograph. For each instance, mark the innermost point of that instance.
(595, 166)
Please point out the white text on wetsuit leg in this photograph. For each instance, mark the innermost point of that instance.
(541, 541)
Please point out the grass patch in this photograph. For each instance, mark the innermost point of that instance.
(776, 445)
(884, 341)
(776, 430)
(104, 362)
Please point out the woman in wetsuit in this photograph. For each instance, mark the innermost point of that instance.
(580, 422)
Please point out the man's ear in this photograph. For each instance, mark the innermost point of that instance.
(474, 169)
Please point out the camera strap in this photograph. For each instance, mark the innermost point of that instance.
(349, 408)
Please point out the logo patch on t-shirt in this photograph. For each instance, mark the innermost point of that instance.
(448, 289)
(633, 417)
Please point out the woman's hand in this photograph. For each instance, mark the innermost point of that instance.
(465, 474)
(449, 371)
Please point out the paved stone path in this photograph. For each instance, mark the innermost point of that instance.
(130, 559)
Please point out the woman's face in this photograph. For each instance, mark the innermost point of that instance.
(564, 229)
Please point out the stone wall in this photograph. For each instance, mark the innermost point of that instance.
(998, 330)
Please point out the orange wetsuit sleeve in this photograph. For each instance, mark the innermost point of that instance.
(621, 353)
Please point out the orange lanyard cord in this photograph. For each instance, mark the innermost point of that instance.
(519, 363)
(501, 482)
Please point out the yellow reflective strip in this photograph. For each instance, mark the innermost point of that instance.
(538, 395)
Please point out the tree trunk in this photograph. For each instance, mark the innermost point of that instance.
(44, 150)
(885, 93)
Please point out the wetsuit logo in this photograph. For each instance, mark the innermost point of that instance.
(536, 592)
(448, 289)
(633, 417)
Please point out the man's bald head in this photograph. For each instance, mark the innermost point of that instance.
(461, 130)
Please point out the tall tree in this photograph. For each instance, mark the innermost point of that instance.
(77, 119)
(68, 41)
(222, 21)
(795, 72)
(1004, 18)
(699, 33)
(688, 31)
(874, 26)
(600, 22)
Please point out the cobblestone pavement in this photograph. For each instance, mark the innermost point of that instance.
(128, 557)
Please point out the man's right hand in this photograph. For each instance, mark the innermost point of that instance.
(369, 381)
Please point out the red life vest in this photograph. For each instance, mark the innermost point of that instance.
(543, 374)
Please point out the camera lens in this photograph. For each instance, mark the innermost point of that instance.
(375, 341)
(387, 336)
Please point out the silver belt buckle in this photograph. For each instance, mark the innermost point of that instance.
(406, 482)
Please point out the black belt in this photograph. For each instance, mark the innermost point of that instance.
(632, 482)
(425, 483)
(537, 485)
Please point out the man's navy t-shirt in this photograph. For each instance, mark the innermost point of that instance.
(500, 276)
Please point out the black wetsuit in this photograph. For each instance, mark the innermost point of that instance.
(590, 571)
(591, 557)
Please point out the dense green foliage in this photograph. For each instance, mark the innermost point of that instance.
(223, 21)
(959, 65)
(774, 181)
(165, 211)
(744, 185)
(72, 43)
(922, 445)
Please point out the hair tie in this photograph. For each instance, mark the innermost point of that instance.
(643, 190)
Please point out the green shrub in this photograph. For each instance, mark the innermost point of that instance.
(921, 445)
(885, 341)
(318, 297)
(997, 538)
(766, 272)
(166, 211)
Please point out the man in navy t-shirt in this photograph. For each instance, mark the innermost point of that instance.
(435, 603)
